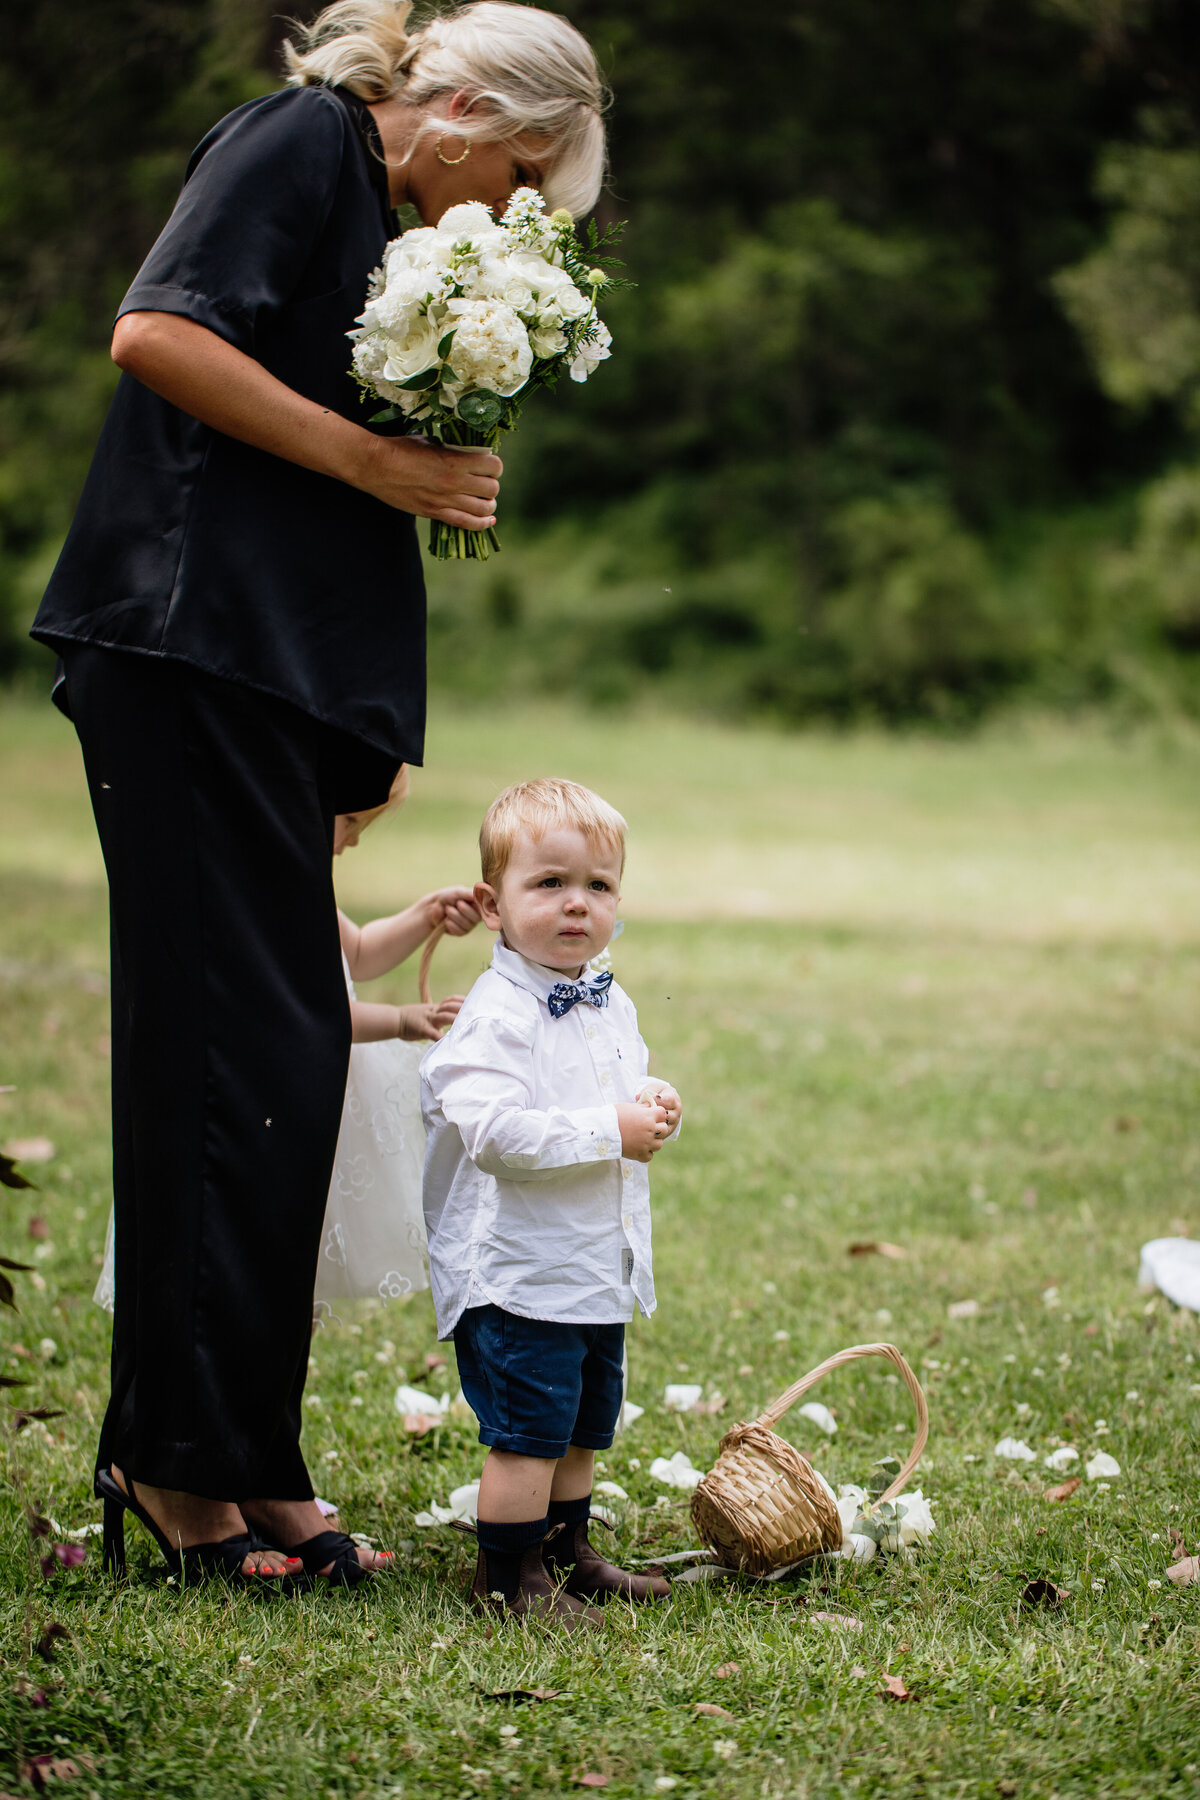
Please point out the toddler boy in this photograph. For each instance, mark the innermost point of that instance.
(541, 1122)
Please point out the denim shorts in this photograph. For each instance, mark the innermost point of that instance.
(537, 1386)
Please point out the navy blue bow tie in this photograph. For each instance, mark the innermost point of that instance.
(566, 994)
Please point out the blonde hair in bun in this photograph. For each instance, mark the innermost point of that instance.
(525, 73)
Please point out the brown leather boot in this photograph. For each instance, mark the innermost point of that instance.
(537, 1596)
(592, 1578)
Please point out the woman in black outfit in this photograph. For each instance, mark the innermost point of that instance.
(239, 610)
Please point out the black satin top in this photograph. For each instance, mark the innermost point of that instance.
(191, 545)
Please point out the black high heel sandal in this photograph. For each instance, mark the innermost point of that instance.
(327, 1547)
(196, 1560)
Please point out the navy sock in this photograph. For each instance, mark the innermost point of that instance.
(560, 1551)
(503, 1546)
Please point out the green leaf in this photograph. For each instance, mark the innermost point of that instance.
(383, 418)
(482, 410)
(10, 1176)
(8, 1295)
(417, 384)
(444, 346)
(11, 1381)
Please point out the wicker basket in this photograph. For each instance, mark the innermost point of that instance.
(761, 1506)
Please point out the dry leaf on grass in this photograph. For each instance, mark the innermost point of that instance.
(1177, 1541)
(727, 1669)
(42, 1770)
(846, 1621)
(879, 1249)
(1184, 1573)
(434, 1360)
(1043, 1593)
(1064, 1490)
(590, 1779)
(894, 1689)
(709, 1711)
(38, 1229)
(10, 1175)
(417, 1424)
(704, 1409)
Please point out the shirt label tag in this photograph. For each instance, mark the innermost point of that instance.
(626, 1267)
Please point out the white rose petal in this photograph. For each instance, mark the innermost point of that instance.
(856, 1548)
(612, 1490)
(821, 1417)
(1014, 1450)
(412, 1400)
(680, 1396)
(1102, 1466)
(1061, 1459)
(676, 1471)
(589, 356)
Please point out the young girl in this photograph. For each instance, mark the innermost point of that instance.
(373, 1238)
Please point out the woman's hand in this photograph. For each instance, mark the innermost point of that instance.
(435, 481)
(453, 907)
(415, 1024)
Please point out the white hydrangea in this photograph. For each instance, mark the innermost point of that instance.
(465, 219)
(491, 346)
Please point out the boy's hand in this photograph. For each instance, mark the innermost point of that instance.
(418, 1023)
(667, 1098)
(643, 1127)
(453, 907)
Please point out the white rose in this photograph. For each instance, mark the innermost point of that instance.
(917, 1523)
(589, 356)
(858, 1549)
(413, 353)
(547, 341)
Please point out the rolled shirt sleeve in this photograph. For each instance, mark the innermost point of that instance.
(256, 199)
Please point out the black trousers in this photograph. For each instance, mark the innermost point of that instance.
(230, 1045)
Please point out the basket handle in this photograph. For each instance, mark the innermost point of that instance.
(771, 1415)
(424, 990)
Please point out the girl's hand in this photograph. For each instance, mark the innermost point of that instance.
(453, 907)
(662, 1093)
(421, 1023)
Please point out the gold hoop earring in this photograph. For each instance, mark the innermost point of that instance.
(452, 162)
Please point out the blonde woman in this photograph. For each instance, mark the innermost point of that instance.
(239, 610)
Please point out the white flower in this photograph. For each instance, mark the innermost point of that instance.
(612, 1490)
(679, 1396)
(468, 217)
(413, 353)
(724, 1748)
(1061, 1459)
(590, 355)
(1023, 1409)
(856, 1548)
(464, 1504)
(1014, 1450)
(1102, 1465)
(916, 1518)
(491, 346)
(412, 1400)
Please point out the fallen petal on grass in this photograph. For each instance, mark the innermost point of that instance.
(1102, 1467)
(681, 1396)
(1061, 1459)
(727, 1669)
(893, 1251)
(1014, 1450)
(820, 1416)
(963, 1309)
(676, 1471)
(30, 1149)
(708, 1710)
(843, 1621)
(590, 1778)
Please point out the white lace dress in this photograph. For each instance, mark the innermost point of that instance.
(373, 1238)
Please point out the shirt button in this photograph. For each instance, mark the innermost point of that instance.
(627, 1220)
(590, 1031)
(626, 1168)
(605, 1078)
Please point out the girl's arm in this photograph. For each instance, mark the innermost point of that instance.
(201, 374)
(382, 944)
(371, 1023)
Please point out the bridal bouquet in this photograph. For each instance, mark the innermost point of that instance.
(466, 318)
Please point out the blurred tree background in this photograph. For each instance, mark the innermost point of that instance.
(902, 418)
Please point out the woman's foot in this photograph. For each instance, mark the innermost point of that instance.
(296, 1522)
(187, 1519)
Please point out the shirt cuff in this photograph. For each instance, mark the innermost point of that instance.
(231, 324)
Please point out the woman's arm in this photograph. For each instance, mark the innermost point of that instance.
(221, 386)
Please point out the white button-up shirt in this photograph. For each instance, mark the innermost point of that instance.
(528, 1201)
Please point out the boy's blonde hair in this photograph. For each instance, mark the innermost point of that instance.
(532, 808)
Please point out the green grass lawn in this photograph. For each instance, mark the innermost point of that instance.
(942, 994)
